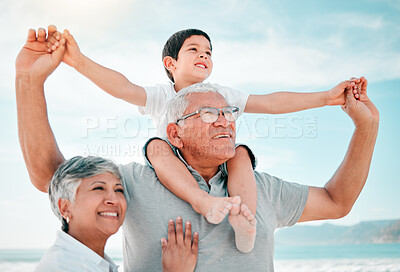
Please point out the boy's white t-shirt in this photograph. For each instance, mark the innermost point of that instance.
(158, 97)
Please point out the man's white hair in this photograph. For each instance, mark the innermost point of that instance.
(177, 106)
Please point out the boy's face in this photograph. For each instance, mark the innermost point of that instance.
(194, 62)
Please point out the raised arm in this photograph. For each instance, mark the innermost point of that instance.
(336, 199)
(33, 65)
(285, 102)
(108, 80)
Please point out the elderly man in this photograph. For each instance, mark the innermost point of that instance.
(150, 204)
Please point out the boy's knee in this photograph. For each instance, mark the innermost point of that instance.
(244, 154)
(158, 147)
(241, 151)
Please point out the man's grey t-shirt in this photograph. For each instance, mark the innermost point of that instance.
(151, 205)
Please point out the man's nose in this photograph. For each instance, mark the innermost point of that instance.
(221, 121)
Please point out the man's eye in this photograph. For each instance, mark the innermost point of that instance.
(208, 53)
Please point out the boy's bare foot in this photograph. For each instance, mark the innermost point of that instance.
(244, 224)
(215, 209)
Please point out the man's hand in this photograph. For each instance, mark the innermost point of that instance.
(179, 254)
(34, 59)
(361, 111)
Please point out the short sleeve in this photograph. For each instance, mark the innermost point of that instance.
(155, 100)
(233, 97)
(287, 198)
(127, 174)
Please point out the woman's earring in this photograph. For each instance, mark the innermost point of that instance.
(67, 219)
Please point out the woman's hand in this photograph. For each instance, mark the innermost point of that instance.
(179, 254)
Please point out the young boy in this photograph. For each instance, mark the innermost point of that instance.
(187, 60)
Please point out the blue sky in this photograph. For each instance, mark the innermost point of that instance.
(259, 47)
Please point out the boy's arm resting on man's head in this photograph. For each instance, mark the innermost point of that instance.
(108, 80)
(339, 194)
(33, 65)
(286, 102)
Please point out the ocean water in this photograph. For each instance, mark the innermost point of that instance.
(337, 258)
(352, 258)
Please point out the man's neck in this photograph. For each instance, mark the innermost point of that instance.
(207, 169)
(207, 173)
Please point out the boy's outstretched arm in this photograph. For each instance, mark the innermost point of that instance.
(285, 102)
(108, 80)
(39, 147)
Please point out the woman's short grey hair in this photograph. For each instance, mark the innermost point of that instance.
(69, 175)
(177, 106)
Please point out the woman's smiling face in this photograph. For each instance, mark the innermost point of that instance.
(99, 207)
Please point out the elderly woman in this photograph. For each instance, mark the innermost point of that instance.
(86, 194)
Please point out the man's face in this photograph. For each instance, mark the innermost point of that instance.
(214, 142)
(194, 62)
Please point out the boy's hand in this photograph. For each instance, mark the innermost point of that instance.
(336, 95)
(178, 253)
(72, 55)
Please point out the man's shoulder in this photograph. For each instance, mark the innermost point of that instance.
(133, 168)
(133, 175)
(268, 179)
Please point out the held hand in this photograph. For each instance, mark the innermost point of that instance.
(336, 95)
(179, 254)
(361, 111)
(34, 59)
(73, 55)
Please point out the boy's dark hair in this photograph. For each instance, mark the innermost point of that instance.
(175, 42)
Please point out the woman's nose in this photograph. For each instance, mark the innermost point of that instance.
(111, 198)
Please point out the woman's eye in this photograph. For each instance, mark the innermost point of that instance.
(193, 49)
(208, 53)
(120, 190)
(98, 188)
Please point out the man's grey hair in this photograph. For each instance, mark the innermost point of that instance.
(69, 175)
(177, 105)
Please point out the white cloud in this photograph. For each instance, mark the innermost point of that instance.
(277, 63)
(356, 20)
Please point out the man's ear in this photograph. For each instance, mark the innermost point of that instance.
(173, 135)
(64, 208)
(169, 63)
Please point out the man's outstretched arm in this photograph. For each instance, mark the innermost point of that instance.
(39, 147)
(339, 194)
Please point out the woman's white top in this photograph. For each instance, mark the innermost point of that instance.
(68, 254)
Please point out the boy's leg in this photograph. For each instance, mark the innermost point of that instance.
(244, 224)
(174, 175)
(241, 182)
